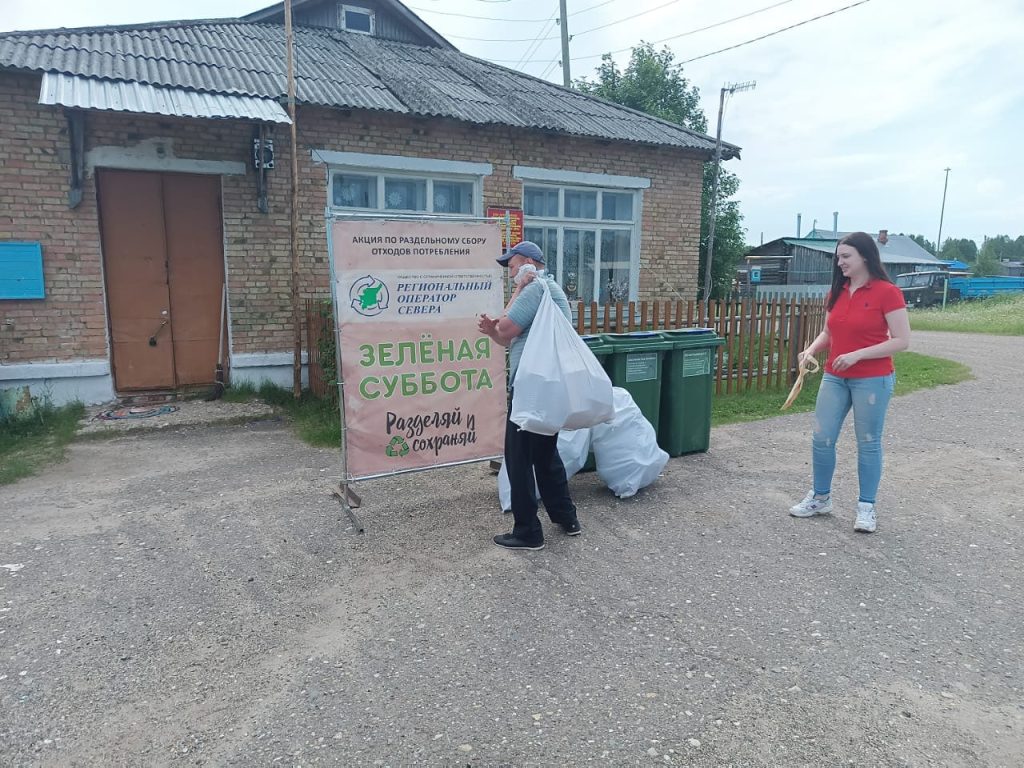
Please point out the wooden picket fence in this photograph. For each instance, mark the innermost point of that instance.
(762, 337)
(319, 344)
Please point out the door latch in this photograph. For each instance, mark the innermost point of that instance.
(152, 339)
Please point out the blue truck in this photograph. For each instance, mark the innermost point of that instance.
(926, 289)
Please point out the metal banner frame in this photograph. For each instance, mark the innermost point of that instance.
(343, 491)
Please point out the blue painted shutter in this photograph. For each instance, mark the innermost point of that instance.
(21, 271)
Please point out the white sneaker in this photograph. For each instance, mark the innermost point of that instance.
(811, 506)
(866, 522)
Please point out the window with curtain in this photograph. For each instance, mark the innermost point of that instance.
(366, 191)
(590, 238)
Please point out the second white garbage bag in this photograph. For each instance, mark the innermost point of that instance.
(626, 448)
(573, 447)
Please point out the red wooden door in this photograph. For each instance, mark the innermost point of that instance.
(164, 271)
(135, 269)
(195, 268)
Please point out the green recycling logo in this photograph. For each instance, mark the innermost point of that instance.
(368, 296)
(397, 447)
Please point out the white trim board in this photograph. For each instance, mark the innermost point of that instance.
(555, 176)
(257, 368)
(70, 369)
(401, 163)
(157, 155)
(86, 381)
(263, 359)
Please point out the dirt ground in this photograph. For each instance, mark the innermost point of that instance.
(194, 596)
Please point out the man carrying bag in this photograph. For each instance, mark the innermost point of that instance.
(529, 454)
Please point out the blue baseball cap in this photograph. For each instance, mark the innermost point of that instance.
(524, 248)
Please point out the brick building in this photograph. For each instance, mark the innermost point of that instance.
(131, 192)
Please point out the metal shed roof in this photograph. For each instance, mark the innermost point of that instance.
(120, 96)
(891, 252)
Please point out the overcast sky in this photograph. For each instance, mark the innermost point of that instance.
(858, 112)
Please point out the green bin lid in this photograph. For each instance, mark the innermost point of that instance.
(689, 331)
(596, 343)
(637, 341)
(692, 337)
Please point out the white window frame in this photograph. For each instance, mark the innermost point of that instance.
(588, 182)
(398, 166)
(343, 9)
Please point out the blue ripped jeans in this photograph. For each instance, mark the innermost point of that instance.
(869, 397)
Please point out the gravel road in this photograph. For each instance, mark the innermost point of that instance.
(194, 596)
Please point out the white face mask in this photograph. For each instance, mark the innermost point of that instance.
(523, 270)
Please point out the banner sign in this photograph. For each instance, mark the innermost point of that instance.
(422, 386)
(515, 224)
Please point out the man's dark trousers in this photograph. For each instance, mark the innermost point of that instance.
(528, 454)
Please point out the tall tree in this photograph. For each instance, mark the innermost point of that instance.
(1001, 247)
(652, 82)
(989, 256)
(962, 249)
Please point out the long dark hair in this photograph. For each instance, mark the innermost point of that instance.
(864, 244)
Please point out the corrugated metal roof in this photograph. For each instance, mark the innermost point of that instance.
(121, 96)
(895, 251)
(813, 244)
(338, 69)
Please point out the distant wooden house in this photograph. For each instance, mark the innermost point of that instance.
(803, 265)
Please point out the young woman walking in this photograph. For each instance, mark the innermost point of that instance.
(865, 324)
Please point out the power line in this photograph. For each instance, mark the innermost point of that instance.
(772, 34)
(532, 50)
(530, 56)
(535, 45)
(575, 34)
(699, 29)
(512, 21)
(550, 67)
(628, 18)
(674, 37)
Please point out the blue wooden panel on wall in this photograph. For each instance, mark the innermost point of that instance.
(21, 271)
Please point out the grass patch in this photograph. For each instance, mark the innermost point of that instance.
(30, 443)
(913, 372)
(316, 421)
(999, 315)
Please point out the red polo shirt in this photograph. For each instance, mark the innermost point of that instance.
(857, 321)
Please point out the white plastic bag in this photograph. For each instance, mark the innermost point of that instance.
(559, 383)
(626, 449)
(573, 447)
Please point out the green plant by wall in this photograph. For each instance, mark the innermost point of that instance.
(327, 349)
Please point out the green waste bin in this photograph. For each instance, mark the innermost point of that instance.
(688, 383)
(601, 350)
(635, 364)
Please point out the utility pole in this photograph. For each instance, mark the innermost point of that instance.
(942, 214)
(713, 213)
(563, 22)
(296, 314)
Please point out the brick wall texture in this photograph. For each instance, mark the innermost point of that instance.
(70, 323)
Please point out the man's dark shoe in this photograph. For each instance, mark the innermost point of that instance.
(508, 541)
(572, 529)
